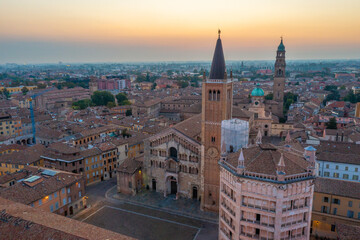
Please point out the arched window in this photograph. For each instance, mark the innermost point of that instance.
(173, 153)
(218, 96)
(214, 95)
(280, 72)
(210, 95)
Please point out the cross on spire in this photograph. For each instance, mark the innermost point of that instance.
(219, 32)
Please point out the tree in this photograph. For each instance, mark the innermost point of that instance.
(183, 84)
(24, 90)
(330, 88)
(6, 93)
(102, 98)
(153, 86)
(128, 112)
(82, 104)
(269, 96)
(122, 99)
(331, 124)
(111, 104)
(169, 72)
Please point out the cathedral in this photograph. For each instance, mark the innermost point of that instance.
(183, 161)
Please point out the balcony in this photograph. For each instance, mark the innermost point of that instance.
(228, 209)
(258, 222)
(294, 208)
(223, 231)
(228, 223)
(259, 207)
(292, 223)
(229, 196)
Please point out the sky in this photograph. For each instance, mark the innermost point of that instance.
(49, 31)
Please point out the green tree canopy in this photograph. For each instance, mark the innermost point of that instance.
(6, 93)
(269, 96)
(24, 90)
(111, 104)
(331, 124)
(102, 98)
(183, 84)
(82, 104)
(128, 112)
(122, 99)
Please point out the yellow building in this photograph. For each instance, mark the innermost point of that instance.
(56, 191)
(90, 135)
(9, 126)
(357, 110)
(136, 144)
(8, 149)
(17, 89)
(16, 161)
(94, 168)
(281, 129)
(335, 202)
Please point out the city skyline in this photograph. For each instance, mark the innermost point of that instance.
(142, 31)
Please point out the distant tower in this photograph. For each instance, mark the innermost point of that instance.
(217, 98)
(93, 84)
(279, 79)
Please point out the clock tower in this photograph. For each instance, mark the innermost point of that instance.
(217, 101)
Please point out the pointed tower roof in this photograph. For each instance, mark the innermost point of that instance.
(218, 69)
(281, 46)
(241, 162)
(281, 161)
(241, 156)
(281, 165)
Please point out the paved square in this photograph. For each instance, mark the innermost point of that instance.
(141, 225)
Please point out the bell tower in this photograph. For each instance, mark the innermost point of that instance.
(279, 79)
(217, 99)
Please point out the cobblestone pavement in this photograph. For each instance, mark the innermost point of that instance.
(148, 215)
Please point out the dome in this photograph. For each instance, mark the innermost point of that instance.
(257, 92)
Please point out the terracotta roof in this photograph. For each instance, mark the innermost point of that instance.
(337, 187)
(190, 127)
(264, 158)
(347, 232)
(26, 194)
(18, 221)
(131, 165)
(25, 157)
(338, 152)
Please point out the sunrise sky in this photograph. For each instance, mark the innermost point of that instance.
(41, 31)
